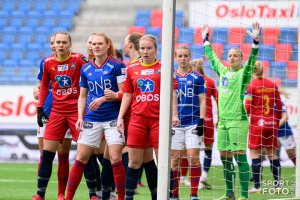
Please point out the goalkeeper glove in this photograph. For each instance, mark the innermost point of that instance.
(41, 117)
(199, 130)
(256, 28)
(205, 33)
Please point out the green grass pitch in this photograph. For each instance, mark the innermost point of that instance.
(18, 182)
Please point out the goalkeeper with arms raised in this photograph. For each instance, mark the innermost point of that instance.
(233, 122)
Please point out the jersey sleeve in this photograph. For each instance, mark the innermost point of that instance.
(214, 91)
(44, 86)
(120, 72)
(40, 74)
(214, 61)
(249, 66)
(128, 85)
(200, 86)
(175, 82)
(83, 80)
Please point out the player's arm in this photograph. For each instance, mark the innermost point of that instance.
(175, 119)
(44, 89)
(248, 100)
(36, 90)
(202, 104)
(278, 103)
(82, 99)
(126, 101)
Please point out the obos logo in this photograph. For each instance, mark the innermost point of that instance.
(63, 81)
(146, 86)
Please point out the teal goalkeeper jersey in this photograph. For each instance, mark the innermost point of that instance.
(232, 85)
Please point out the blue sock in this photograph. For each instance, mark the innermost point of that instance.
(151, 175)
(207, 160)
(125, 160)
(256, 171)
(276, 170)
(90, 177)
(106, 179)
(132, 176)
(100, 158)
(45, 172)
(97, 168)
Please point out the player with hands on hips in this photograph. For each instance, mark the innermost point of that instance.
(233, 120)
(191, 112)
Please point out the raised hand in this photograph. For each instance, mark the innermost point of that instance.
(255, 34)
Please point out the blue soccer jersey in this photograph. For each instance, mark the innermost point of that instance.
(189, 88)
(97, 79)
(285, 129)
(49, 98)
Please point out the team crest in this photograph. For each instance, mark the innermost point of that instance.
(87, 125)
(158, 71)
(72, 66)
(113, 123)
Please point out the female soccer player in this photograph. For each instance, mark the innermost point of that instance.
(191, 112)
(104, 74)
(62, 70)
(233, 123)
(211, 93)
(142, 88)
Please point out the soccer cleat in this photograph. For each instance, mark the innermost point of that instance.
(37, 197)
(204, 185)
(174, 197)
(60, 197)
(184, 181)
(242, 198)
(255, 191)
(113, 196)
(194, 197)
(93, 198)
(226, 197)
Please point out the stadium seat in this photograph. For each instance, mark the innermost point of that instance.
(266, 52)
(220, 35)
(49, 22)
(283, 52)
(142, 18)
(34, 56)
(295, 52)
(292, 70)
(237, 35)
(10, 63)
(246, 49)
(16, 21)
(65, 22)
(186, 35)
(155, 32)
(8, 5)
(218, 49)
(25, 35)
(139, 29)
(208, 70)
(24, 5)
(278, 70)
(156, 18)
(197, 36)
(32, 21)
(41, 6)
(197, 51)
(26, 63)
(288, 35)
(270, 35)
(179, 20)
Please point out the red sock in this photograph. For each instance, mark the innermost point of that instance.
(119, 177)
(62, 172)
(195, 177)
(176, 175)
(184, 166)
(74, 179)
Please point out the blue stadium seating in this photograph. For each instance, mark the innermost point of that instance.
(220, 35)
(295, 52)
(142, 18)
(288, 35)
(179, 20)
(186, 35)
(155, 32)
(197, 51)
(266, 52)
(278, 70)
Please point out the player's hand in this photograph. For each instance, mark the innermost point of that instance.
(205, 32)
(42, 118)
(94, 105)
(175, 120)
(255, 34)
(110, 95)
(120, 125)
(79, 124)
(36, 93)
(199, 130)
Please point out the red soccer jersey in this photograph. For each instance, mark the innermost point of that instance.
(143, 80)
(211, 91)
(64, 76)
(263, 100)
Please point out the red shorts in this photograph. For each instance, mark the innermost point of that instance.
(209, 131)
(262, 135)
(142, 132)
(58, 124)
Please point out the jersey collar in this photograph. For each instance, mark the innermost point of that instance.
(105, 61)
(150, 64)
(56, 58)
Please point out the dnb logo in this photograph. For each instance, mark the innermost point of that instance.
(63, 81)
(146, 85)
